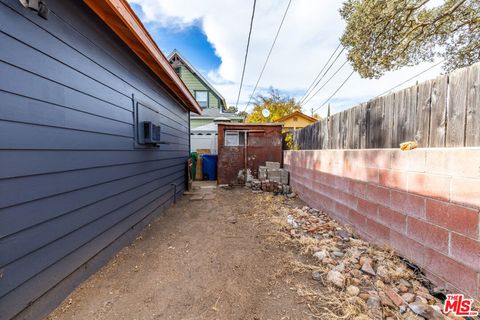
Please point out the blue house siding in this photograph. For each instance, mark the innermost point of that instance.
(74, 186)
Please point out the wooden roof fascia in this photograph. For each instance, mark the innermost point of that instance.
(119, 16)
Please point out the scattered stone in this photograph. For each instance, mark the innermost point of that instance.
(383, 273)
(405, 283)
(408, 297)
(291, 221)
(364, 259)
(294, 233)
(356, 273)
(338, 254)
(393, 296)
(320, 255)
(344, 235)
(385, 300)
(196, 197)
(336, 278)
(355, 281)
(425, 295)
(328, 261)
(367, 268)
(373, 302)
(291, 195)
(371, 276)
(426, 311)
(232, 220)
(316, 276)
(353, 291)
(421, 299)
(340, 267)
(364, 296)
(402, 288)
(379, 284)
(354, 253)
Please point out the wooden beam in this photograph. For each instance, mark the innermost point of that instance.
(119, 16)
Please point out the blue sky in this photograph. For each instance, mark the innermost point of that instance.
(212, 35)
(190, 41)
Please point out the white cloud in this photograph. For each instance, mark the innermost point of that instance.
(309, 35)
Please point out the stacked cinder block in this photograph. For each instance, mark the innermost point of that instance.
(271, 178)
(262, 173)
(272, 165)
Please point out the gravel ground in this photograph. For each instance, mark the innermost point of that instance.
(205, 259)
(238, 254)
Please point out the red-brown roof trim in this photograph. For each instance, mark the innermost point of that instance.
(119, 16)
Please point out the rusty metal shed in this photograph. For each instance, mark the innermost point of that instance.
(244, 147)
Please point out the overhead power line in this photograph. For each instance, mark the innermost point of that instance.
(333, 94)
(268, 56)
(316, 81)
(246, 52)
(409, 79)
(323, 86)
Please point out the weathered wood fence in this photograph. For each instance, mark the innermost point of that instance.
(444, 112)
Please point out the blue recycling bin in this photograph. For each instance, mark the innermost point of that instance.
(209, 166)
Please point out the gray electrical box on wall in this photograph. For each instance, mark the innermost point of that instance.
(147, 123)
(151, 133)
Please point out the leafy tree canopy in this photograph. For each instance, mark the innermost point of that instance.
(384, 35)
(278, 105)
(231, 109)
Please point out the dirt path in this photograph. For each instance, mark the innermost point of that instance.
(206, 259)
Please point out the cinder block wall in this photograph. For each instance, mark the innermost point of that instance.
(424, 203)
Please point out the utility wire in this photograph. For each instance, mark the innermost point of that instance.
(315, 83)
(340, 87)
(389, 90)
(323, 86)
(246, 52)
(409, 79)
(268, 56)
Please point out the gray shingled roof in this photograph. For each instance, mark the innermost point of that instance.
(216, 113)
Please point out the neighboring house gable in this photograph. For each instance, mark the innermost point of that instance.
(207, 96)
(296, 120)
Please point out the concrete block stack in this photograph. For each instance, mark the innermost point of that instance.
(271, 178)
(274, 175)
(262, 173)
(272, 165)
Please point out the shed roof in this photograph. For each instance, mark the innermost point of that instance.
(119, 16)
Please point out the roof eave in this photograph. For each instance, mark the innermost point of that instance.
(119, 16)
(199, 74)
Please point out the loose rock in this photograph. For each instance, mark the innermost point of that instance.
(353, 291)
(367, 268)
(336, 278)
(426, 311)
(393, 296)
(373, 302)
(408, 297)
(320, 255)
(316, 276)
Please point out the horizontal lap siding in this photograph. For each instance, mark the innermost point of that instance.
(74, 189)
